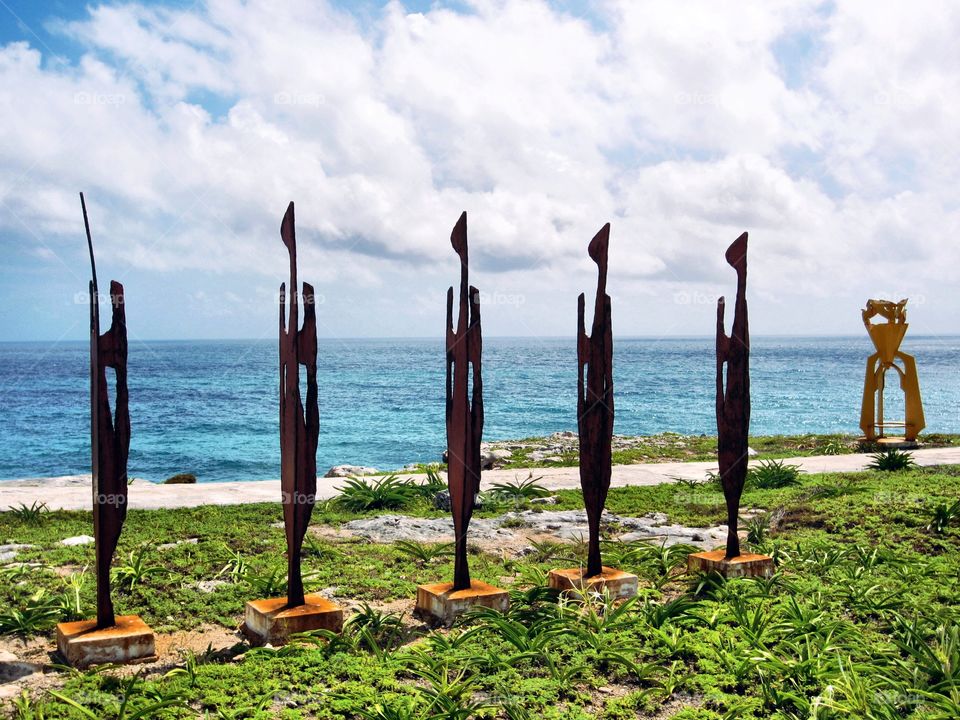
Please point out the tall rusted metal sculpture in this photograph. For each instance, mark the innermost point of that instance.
(595, 399)
(733, 396)
(595, 424)
(464, 413)
(464, 419)
(274, 620)
(110, 638)
(299, 423)
(733, 426)
(109, 433)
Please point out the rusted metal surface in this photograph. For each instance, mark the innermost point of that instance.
(464, 413)
(733, 396)
(595, 399)
(109, 432)
(299, 422)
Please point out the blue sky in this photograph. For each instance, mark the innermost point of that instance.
(825, 130)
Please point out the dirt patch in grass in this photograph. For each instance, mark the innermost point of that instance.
(38, 654)
(173, 647)
(802, 517)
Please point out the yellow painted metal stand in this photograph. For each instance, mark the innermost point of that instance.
(886, 337)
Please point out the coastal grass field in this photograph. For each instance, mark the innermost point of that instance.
(675, 447)
(862, 618)
(560, 449)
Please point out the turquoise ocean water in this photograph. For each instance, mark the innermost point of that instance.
(210, 407)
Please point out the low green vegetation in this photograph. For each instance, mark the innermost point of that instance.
(891, 460)
(360, 494)
(772, 475)
(861, 619)
(519, 490)
(673, 447)
(386, 493)
(31, 514)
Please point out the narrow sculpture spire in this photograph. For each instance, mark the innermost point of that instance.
(595, 401)
(109, 432)
(464, 414)
(299, 424)
(733, 396)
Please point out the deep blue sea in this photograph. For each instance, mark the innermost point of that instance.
(210, 407)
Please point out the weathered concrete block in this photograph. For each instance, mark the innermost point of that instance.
(129, 641)
(440, 602)
(745, 565)
(271, 621)
(621, 585)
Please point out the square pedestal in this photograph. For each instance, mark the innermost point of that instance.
(621, 585)
(441, 602)
(271, 621)
(130, 640)
(896, 443)
(745, 565)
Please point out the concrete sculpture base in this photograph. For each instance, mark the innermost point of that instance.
(130, 640)
(621, 585)
(440, 602)
(271, 621)
(744, 565)
(887, 443)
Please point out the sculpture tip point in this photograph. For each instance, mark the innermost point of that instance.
(458, 238)
(737, 252)
(287, 227)
(599, 244)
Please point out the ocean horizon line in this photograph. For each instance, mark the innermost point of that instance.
(754, 336)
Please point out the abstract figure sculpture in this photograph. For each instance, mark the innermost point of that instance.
(110, 638)
(464, 419)
(733, 426)
(464, 413)
(109, 434)
(299, 423)
(273, 620)
(595, 424)
(595, 401)
(733, 396)
(886, 337)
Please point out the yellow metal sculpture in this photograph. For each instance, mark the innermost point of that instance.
(886, 337)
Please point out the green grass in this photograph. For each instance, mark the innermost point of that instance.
(861, 620)
(672, 447)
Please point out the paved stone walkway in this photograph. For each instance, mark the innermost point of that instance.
(74, 493)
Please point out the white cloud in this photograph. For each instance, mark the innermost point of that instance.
(191, 129)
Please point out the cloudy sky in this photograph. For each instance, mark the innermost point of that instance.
(826, 130)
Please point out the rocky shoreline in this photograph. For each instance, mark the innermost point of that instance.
(560, 449)
(495, 454)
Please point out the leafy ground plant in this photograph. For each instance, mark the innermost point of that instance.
(136, 570)
(40, 612)
(944, 514)
(518, 491)
(891, 460)
(31, 514)
(773, 475)
(757, 527)
(129, 702)
(388, 493)
(424, 552)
